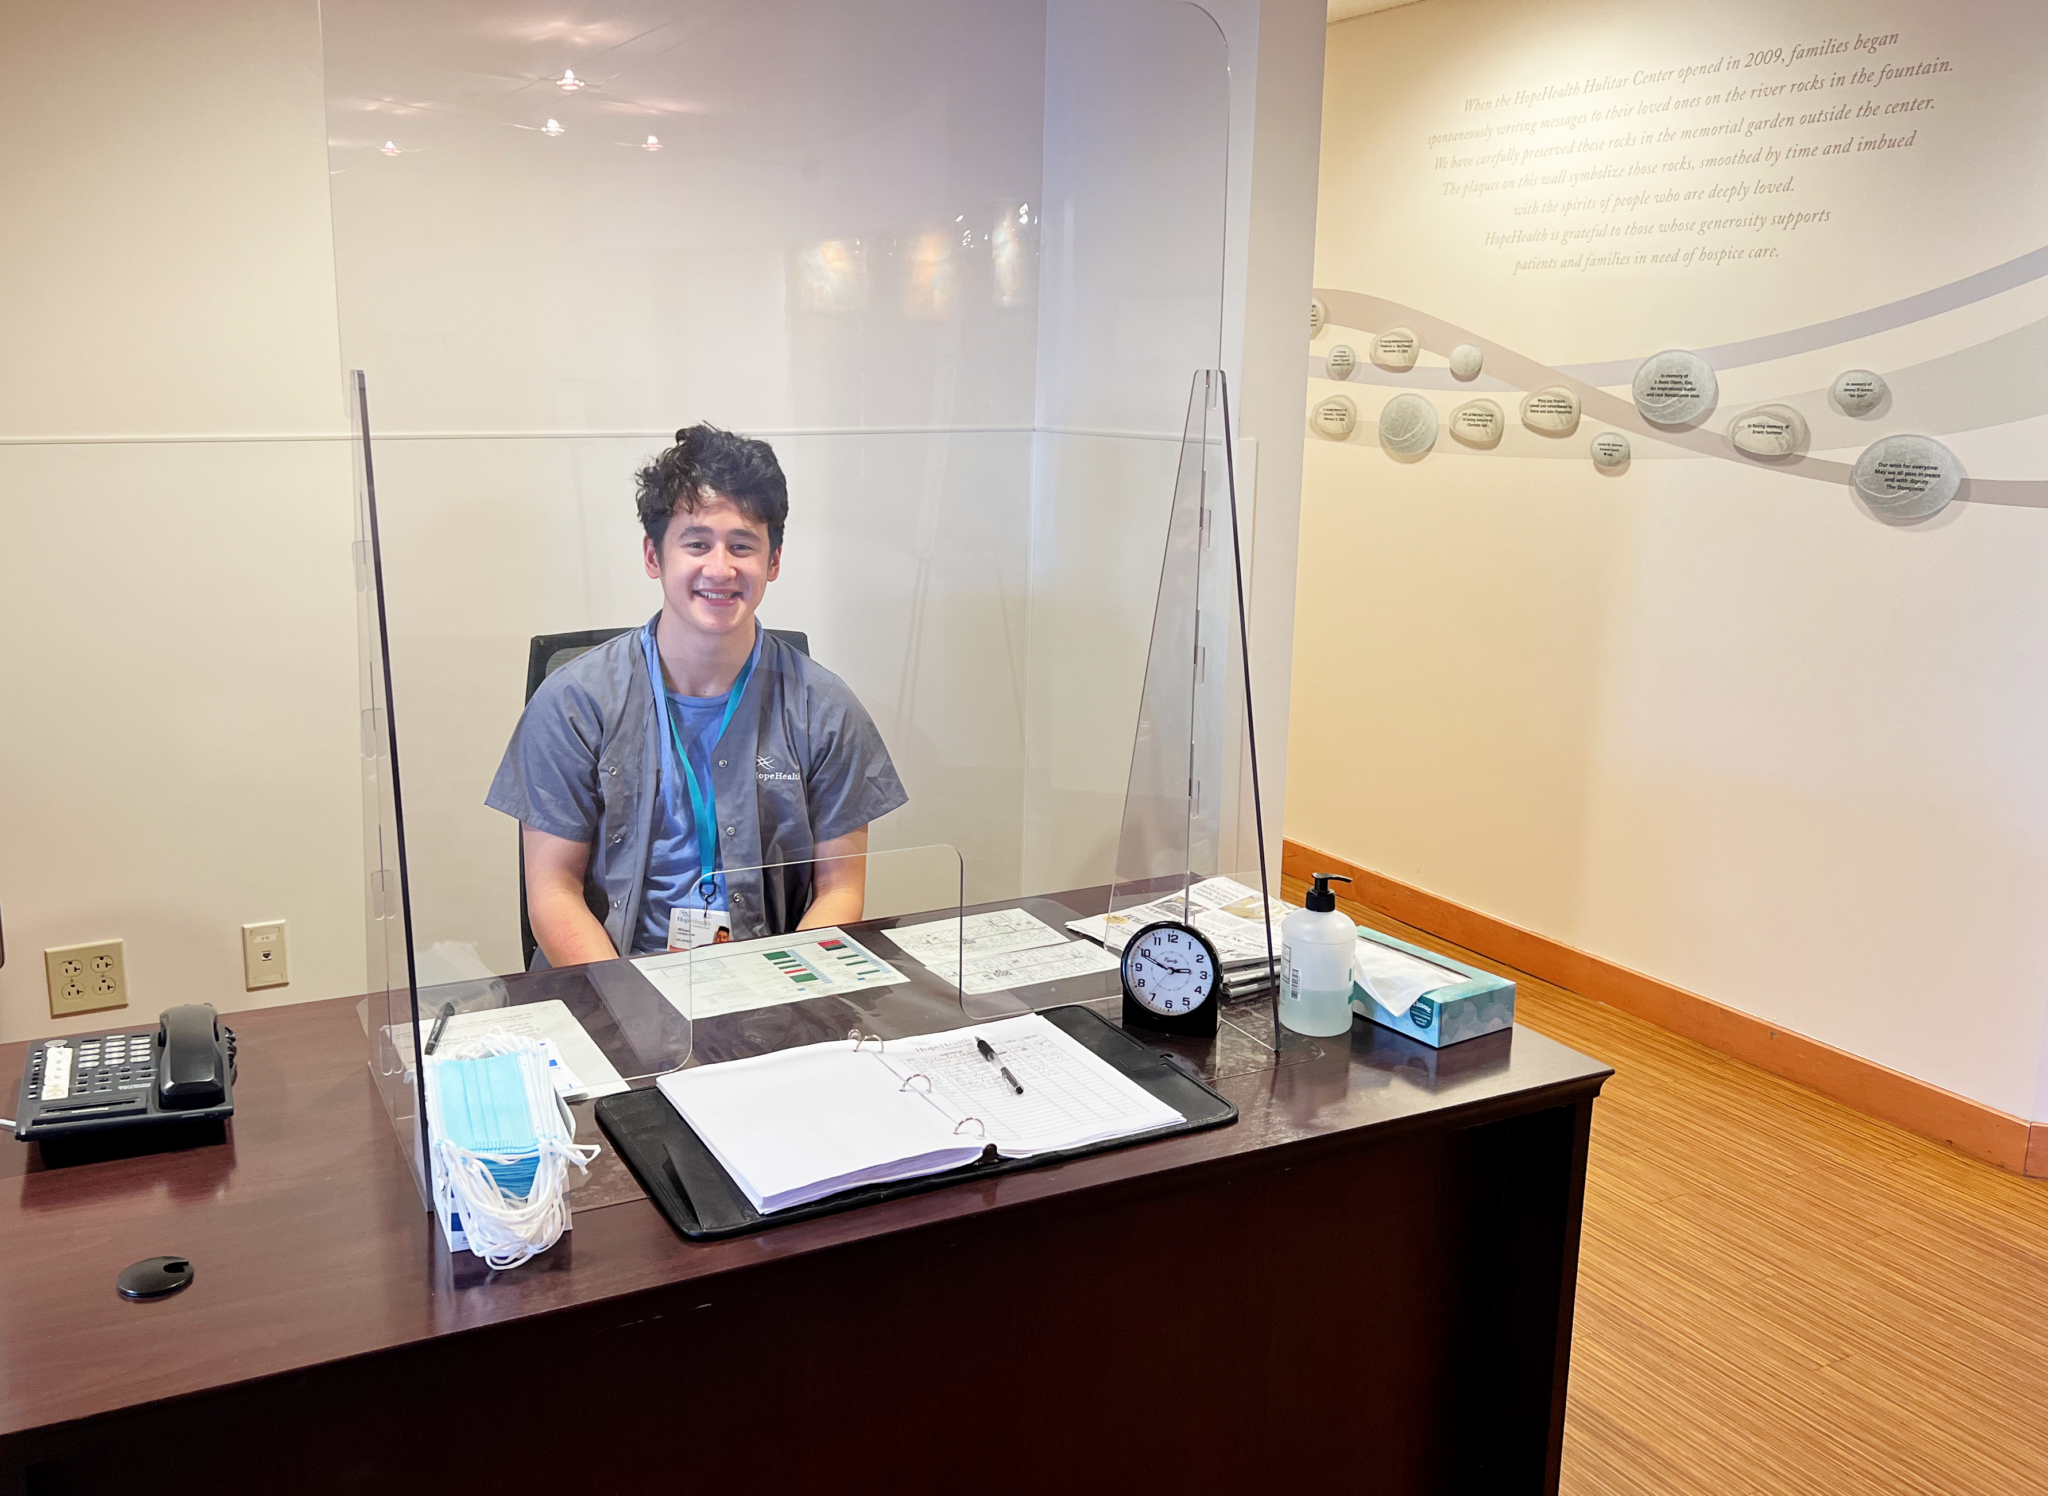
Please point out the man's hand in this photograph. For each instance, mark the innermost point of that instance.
(563, 926)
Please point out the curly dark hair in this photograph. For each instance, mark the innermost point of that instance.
(707, 463)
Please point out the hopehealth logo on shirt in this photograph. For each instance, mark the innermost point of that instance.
(764, 768)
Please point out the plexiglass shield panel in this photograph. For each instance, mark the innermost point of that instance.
(956, 264)
(1191, 846)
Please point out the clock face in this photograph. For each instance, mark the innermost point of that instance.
(1169, 969)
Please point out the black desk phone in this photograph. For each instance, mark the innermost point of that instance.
(92, 1084)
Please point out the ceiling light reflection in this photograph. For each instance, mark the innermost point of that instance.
(831, 277)
(1010, 257)
(568, 82)
(929, 277)
(551, 128)
(653, 143)
(389, 148)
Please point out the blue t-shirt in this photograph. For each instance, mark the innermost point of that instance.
(672, 873)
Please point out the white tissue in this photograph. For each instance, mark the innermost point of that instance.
(1395, 978)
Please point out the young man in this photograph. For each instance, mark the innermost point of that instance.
(646, 768)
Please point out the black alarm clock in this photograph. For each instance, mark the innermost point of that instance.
(1173, 980)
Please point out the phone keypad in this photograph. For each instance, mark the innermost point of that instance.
(113, 1066)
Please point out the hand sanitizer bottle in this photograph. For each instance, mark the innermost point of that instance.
(1315, 964)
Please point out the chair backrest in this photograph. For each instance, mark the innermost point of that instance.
(549, 653)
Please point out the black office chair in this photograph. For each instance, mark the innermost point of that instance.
(549, 653)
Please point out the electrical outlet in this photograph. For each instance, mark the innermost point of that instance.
(86, 978)
(263, 963)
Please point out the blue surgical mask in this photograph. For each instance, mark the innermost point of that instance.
(485, 1109)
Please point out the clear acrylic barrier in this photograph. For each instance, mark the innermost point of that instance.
(1192, 842)
(834, 972)
(955, 263)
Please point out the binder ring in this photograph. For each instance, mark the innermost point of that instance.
(861, 1041)
(923, 1090)
(980, 1130)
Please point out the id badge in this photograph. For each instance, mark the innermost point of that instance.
(690, 927)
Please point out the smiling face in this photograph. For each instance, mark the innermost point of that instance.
(713, 565)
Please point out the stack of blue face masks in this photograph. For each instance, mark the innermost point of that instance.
(485, 1109)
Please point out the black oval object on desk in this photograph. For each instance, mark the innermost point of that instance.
(153, 1277)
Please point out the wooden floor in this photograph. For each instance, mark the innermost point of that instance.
(1778, 1294)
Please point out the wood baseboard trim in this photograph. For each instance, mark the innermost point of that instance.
(1873, 1089)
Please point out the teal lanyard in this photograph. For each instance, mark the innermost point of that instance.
(703, 806)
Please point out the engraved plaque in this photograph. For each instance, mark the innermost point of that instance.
(1396, 349)
(1318, 318)
(1768, 431)
(1342, 360)
(1858, 392)
(1906, 477)
(1555, 410)
(1675, 388)
(1610, 450)
(1466, 361)
(1478, 423)
(1334, 416)
(1408, 425)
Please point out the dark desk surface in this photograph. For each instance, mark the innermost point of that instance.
(309, 1243)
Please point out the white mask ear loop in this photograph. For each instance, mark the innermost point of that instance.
(503, 1230)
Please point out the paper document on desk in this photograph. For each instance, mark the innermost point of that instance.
(713, 980)
(1008, 970)
(570, 1049)
(1223, 909)
(999, 950)
(1394, 978)
(941, 943)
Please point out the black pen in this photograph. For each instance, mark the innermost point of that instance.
(990, 1055)
(447, 1012)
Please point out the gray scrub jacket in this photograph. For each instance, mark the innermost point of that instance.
(800, 763)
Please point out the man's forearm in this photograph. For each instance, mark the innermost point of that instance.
(837, 906)
(566, 931)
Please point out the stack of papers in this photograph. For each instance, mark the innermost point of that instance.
(1223, 909)
(998, 951)
(802, 1124)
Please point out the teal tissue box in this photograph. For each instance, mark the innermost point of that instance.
(1481, 1004)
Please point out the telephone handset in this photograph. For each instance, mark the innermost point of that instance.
(184, 1071)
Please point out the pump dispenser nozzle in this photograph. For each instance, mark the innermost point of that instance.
(1320, 899)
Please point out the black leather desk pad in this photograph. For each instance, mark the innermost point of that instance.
(700, 1199)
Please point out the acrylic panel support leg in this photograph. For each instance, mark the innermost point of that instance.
(1192, 840)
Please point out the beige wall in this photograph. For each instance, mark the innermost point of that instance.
(1706, 718)
(178, 751)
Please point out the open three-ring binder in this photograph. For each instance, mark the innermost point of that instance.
(731, 1148)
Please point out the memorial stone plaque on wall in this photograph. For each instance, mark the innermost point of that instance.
(1334, 416)
(1554, 410)
(1675, 388)
(1478, 423)
(1768, 431)
(1906, 477)
(1396, 349)
(1342, 360)
(1408, 425)
(1858, 391)
(1318, 318)
(1610, 450)
(1466, 362)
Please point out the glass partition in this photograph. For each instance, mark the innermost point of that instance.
(956, 265)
